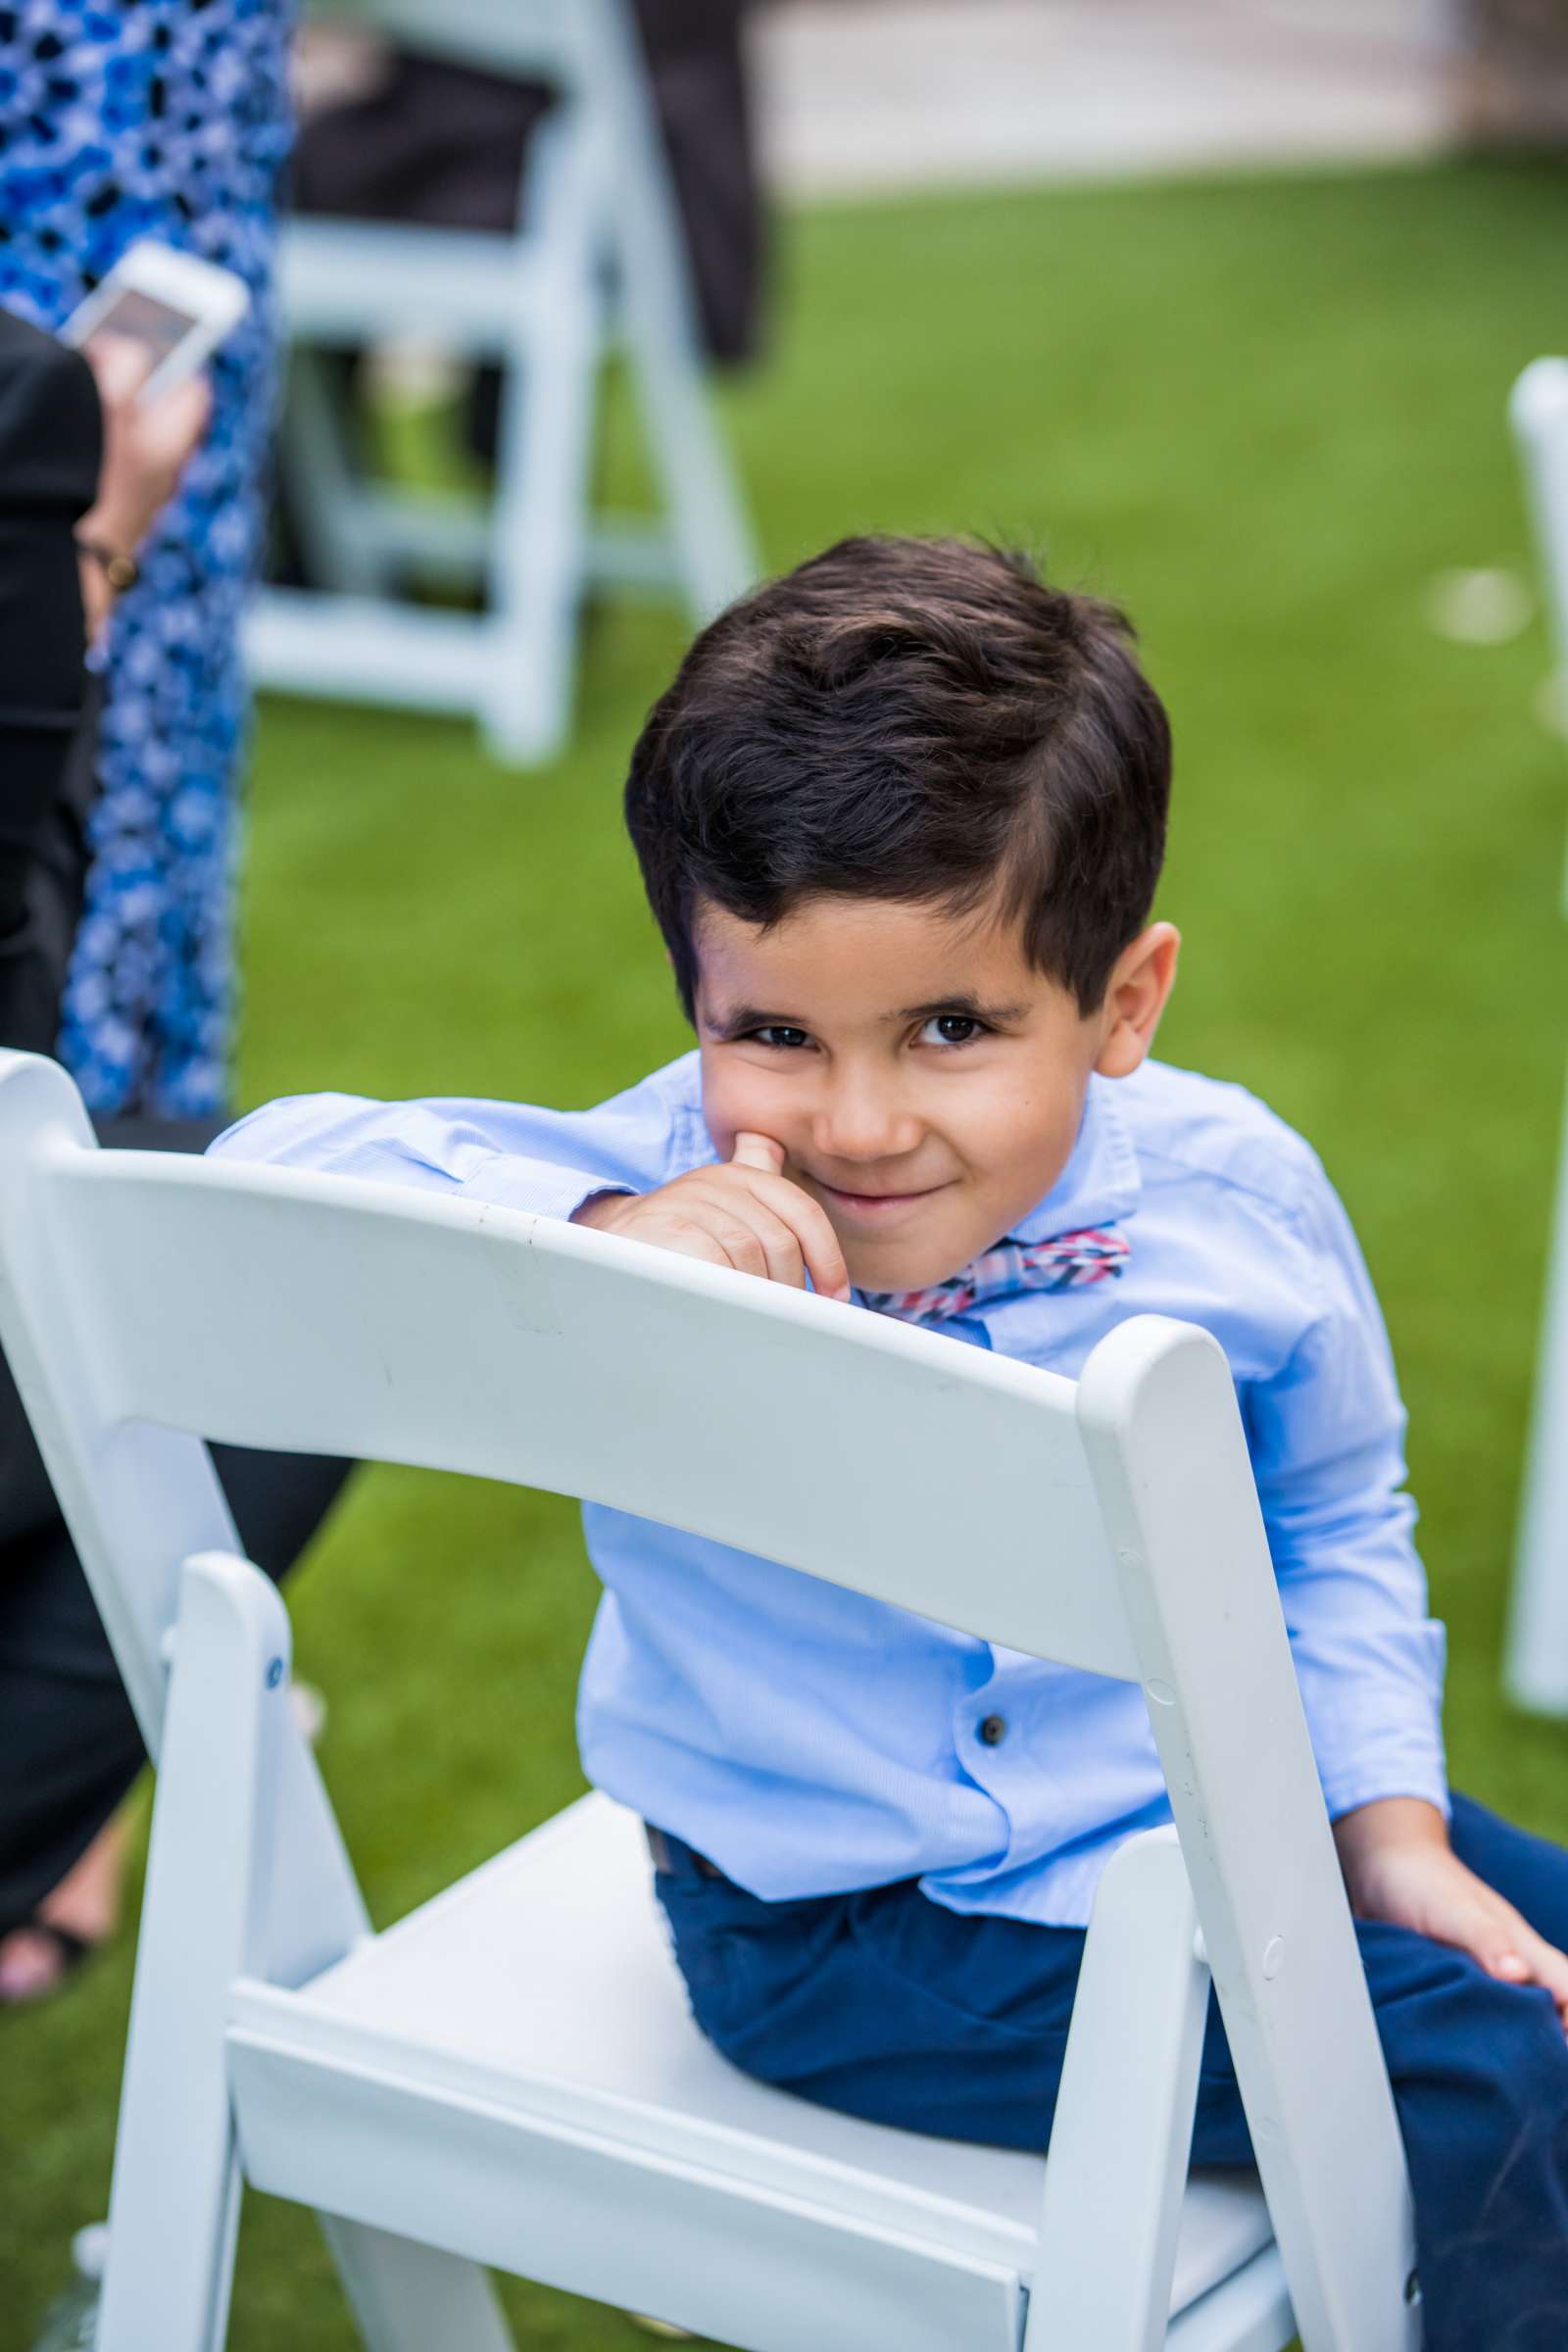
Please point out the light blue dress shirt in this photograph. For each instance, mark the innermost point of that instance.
(810, 1741)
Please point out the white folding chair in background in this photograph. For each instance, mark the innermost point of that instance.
(510, 2077)
(1535, 1659)
(598, 264)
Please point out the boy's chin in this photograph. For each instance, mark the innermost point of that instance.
(881, 1271)
(927, 1251)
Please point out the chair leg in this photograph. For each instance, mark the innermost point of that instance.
(1536, 1658)
(1116, 2171)
(538, 544)
(174, 2203)
(705, 516)
(413, 2298)
(328, 501)
(714, 551)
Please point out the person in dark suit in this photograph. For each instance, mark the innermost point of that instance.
(83, 471)
(51, 438)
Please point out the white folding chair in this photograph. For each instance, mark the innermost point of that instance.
(1536, 1655)
(510, 2076)
(598, 261)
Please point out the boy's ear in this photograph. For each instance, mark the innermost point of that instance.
(1144, 975)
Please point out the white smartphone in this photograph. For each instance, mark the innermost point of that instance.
(176, 307)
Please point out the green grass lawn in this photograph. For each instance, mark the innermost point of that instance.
(1262, 414)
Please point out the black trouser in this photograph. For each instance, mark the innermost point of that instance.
(68, 1743)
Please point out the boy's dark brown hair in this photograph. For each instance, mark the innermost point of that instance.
(916, 720)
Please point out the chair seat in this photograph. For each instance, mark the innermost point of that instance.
(541, 1989)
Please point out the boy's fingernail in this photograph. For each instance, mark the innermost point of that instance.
(844, 1293)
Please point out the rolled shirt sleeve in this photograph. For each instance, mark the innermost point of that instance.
(1327, 1438)
(515, 1155)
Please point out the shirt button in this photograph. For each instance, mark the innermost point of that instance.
(994, 1730)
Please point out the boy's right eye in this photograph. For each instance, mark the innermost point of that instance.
(782, 1035)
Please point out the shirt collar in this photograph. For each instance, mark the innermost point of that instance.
(1100, 1184)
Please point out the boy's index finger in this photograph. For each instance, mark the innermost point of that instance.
(757, 1151)
(813, 1230)
(810, 1223)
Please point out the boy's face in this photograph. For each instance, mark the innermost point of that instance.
(924, 1081)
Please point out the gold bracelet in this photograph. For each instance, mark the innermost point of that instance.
(120, 571)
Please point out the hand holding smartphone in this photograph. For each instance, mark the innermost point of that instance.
(146, 332)
(170, 307)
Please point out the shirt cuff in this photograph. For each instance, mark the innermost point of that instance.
(544, 1191)
(1409, 1768)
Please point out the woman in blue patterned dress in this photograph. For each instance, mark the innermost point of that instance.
(167, 119)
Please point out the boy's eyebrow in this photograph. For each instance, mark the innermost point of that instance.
(732, 1020)
(966, 1006)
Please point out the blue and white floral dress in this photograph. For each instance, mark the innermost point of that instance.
(167, 118)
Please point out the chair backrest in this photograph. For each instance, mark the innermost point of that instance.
(541, 37)
(150, 1302)
(593, 54)
(265, 1307)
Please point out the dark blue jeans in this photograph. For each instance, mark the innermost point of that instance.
(885, 2005)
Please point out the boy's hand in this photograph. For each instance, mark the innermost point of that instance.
(1399, 1867)
(746, 1215)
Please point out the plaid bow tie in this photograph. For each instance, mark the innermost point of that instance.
(1070, 1261)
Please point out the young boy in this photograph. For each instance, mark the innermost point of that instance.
(901, 818)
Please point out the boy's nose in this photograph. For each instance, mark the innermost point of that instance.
(862, 1123)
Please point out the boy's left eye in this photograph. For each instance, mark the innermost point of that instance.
(950, 1029)
(783, 1036)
